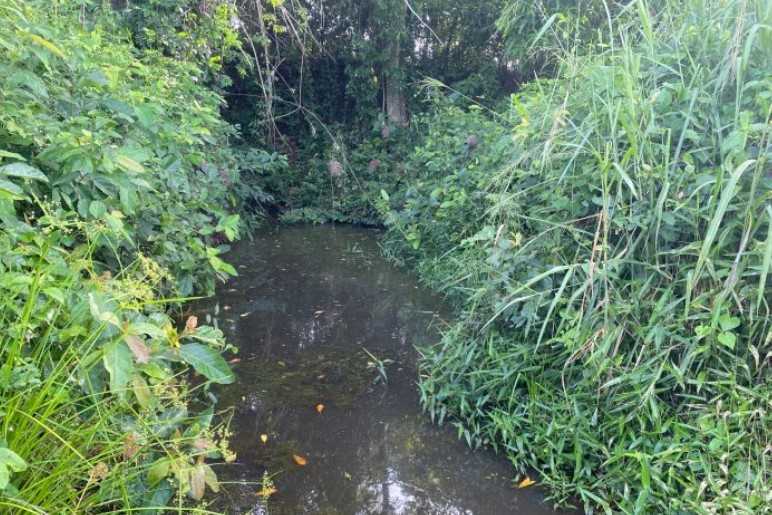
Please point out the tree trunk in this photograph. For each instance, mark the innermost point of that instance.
(394, 96)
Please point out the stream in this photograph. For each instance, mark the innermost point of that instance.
(326, 399)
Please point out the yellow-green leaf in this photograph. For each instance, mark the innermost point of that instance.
(47, 44)
(129, 164)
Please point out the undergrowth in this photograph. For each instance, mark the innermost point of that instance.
(610, 258)
(115, 190)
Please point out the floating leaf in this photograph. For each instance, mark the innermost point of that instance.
(264, 438)
(320, 408)
(317, 313)
(265, 492)
(245, 314)
(300, 460)
(526, 483)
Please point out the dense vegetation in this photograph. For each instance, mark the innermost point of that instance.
(114, 182)
(609, 244)
(588, 182)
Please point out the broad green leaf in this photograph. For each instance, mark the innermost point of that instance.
(11, 188)
(141, 390)
(148, 329)
(158, 471)
(728, 323)
(9, 462)
(207, 361)
(23, 171)
(129, 164)
(727, 339)
(97, 208)
(118, 362)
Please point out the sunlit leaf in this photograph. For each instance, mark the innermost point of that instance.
(320, 408)
(47, 45)
(264, 438)
(129, 164)
(526, 483)
(300, 460)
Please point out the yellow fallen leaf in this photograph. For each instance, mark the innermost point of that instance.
(265, 492)
(320, 408)
(264, 438)
(300, 460)
(526, 483)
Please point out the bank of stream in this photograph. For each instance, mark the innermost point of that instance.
(326, 399)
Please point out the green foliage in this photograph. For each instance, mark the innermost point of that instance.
(92, 383)
(610, 252)
(112, 178)
(202, 33)
(344, 182)
(115, 140)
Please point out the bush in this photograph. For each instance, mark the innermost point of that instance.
(136, 138)
(611, 263)
(113, 192)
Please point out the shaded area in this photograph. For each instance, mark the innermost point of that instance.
(307, 303)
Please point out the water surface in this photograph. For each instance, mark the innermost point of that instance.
(307, 303)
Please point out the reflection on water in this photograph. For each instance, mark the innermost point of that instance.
(306, 303)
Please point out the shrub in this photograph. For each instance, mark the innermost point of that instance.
(613, 270)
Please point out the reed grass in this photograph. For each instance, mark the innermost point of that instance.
(612, 279)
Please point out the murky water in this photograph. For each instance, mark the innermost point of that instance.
(306, 304)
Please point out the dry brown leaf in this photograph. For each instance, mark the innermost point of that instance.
(300, 460)
(138, 348)
(191, 324)
(265, 492)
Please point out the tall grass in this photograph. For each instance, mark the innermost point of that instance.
(88, 442)
(613, 274)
